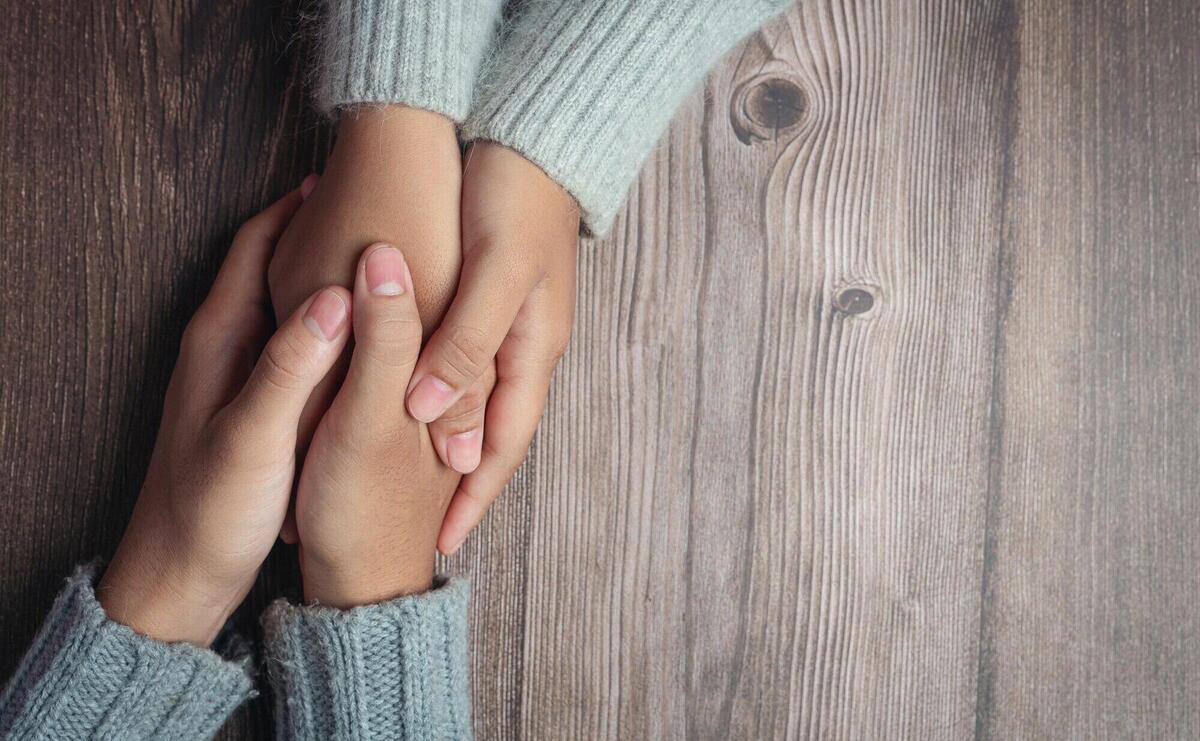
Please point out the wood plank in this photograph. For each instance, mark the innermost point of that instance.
(758, 514)
(901, 310)
(1092, 621)
(135, 137)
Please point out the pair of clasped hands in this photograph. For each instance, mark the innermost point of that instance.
(422, 299)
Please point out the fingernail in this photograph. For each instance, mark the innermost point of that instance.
(307, 186)
(429, 399)
(326, 315)
(463, 450)
(386, 271)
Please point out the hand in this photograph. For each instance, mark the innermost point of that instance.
(221, 473)
(395, 176)
(372, 491)
(515, 301)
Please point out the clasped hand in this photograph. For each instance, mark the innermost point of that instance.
(371, 494)
(405, 455)
(492, 244)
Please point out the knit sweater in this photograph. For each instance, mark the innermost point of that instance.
(581, 88)
(396, 670)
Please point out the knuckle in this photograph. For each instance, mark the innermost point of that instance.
(479, 498)
(392, 341)
(247, 232)
(509, 458)
(467, 411)
(201, 332)
(256, 227)
(283, 362)
(464, 352)
(368, 438)
(475, 398)
(226, 441)
(557, 345)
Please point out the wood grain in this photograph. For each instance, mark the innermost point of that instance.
(769, 522)
(135, 137)
(1091, 622)
(882, 416)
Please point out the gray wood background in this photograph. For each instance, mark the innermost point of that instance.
(882, 416)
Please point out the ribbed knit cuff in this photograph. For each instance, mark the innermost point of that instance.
(393, 670)
(88, 677)
(420, 53)
(584, 88)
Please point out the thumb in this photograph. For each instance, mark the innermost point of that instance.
(295, 359)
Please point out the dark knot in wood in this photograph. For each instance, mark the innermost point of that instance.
(765, 106)
(853, 301)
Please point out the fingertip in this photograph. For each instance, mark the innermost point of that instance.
(429, 399)
(308, 185)
(327, 314)
(460, 519)
(450, 544)
(385, 271)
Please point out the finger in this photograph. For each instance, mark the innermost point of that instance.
(318, 403)
(387, 338)
(227, 332)
(491, 291)
(308, 185)
(513, 413)
(458, 434)
(242, 280)
(293, 362)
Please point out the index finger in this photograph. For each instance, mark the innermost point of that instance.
(242, 279)
(492, 289)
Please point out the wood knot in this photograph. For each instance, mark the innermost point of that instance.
(765, 106)
(854, 300)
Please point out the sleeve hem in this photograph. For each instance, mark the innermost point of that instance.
(421, 53)
(86, 675)
(585, 89)
(398, 667)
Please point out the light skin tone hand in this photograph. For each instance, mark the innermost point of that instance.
(372, 491)
(513, 308)
(221, 473)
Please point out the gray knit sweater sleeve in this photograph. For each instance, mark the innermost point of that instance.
(396, 670)
(584, 88)
(420, 53)
(88, 677)
(392, 670)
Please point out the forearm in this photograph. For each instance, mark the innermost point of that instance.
(394, 177)
(584, 88)
(378, 151)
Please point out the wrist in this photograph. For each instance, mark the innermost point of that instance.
(157, 593)
(341, 584)
(385, 133)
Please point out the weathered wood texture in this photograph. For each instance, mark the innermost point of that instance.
(882, 417)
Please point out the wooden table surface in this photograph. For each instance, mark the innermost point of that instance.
(882, 414)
